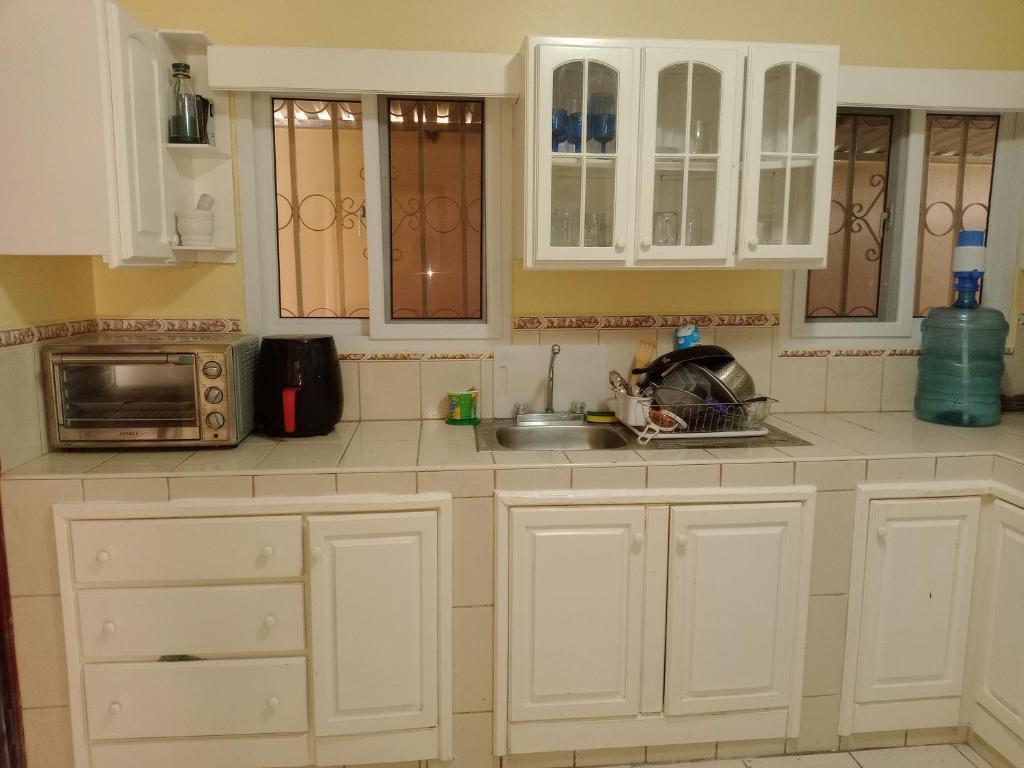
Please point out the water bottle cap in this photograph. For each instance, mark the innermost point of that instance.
(180, 67)
(971, 237)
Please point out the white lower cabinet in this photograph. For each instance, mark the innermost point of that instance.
(650, 617)
(211, 634)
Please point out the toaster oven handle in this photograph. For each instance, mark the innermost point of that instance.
(175, 359)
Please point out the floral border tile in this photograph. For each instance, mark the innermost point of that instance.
(376, 357)
(50, 331)
(608, 322)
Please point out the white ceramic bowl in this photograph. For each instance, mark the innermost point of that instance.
(195, 227)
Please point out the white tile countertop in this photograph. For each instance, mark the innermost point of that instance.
(396, 446)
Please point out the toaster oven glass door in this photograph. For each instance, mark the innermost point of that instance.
(127, 397)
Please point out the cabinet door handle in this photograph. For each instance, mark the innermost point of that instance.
(752, 243)
(638, 539)
(883, 531)
(316, 552)
(114, 707)
(620, 244)
(681, 540)
(267, 551)
(645, 244)
(270, 622)
(109, 627)
(273, 702)
(102, 556)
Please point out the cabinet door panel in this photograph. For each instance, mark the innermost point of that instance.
(584, 149)
(139, 65)
(689, 154)
(374, 605)
(917, 587)
(577, 583)
(1001, 675)
(789, 133)
(733, 607)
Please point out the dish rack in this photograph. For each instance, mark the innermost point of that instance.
(703, 420)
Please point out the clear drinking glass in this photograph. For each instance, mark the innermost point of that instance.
(595, 230)
(666, 228)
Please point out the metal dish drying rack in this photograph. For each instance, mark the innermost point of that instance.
(703, 420)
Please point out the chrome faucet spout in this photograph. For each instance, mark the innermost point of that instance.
(549, 406)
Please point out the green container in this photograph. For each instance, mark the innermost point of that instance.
(462, 407)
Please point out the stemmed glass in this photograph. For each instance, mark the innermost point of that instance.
(559, 127)
(601, 118)
(576, 131)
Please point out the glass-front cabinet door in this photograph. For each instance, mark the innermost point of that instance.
(689, 154)
(584, 149)
(787, 155)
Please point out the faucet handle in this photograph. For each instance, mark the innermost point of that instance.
(518, 408)
(578, 407)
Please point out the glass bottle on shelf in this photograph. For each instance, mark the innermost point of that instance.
(184, 119)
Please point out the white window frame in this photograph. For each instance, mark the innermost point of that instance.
(256, 183)
(904, 331)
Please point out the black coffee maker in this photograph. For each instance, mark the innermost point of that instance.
(298, 386)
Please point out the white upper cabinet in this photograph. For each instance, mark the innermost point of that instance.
(787, 149)
(634, 153)
(585, 162)
(688, 154)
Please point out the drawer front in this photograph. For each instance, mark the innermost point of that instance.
(195, 698)
(118, 623)
(221, 548)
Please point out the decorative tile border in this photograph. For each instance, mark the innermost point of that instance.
(32, 334)
(609, 322)
(380, 357)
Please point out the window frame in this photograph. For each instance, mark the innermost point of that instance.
(904, 330)
(257, 199)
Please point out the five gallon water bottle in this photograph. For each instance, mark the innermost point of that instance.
(962, 349)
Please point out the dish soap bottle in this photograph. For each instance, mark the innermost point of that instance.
(961, 361)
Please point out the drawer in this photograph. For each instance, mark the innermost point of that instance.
(220, 548)
(195, 698)
(264, 618)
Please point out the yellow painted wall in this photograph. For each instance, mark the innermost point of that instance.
(36, 290)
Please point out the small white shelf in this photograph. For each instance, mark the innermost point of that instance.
(204, 150)
(186, 41)
(204, 248)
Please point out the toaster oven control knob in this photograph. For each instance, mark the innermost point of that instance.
(212, 369)
(214, 395)
(215, 420)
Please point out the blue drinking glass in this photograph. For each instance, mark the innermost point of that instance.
(559, 127)
(602, 128)
(576, 130)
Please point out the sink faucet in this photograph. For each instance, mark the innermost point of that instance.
(549, 406)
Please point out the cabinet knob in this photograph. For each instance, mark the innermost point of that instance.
(620, 244)
(273, 702)
(114, 707)
(752, 243)
(267, 551)
(270, 622)
(638, 539)
(681, 540)
(102, 556)
(109, 627)
(883, 531)
(316, 552)
(645, 244)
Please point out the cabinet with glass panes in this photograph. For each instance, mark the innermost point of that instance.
(634, 153)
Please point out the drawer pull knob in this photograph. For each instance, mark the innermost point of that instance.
(316, 552)
(883, 531)
(681, 540)
(638, 539)
(102, 556)
(109, 627)
(270, 622)
(267, 551)
(114, 707)
(273, 702)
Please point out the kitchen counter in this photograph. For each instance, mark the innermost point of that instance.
(408, 446)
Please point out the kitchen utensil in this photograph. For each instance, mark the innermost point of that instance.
(654, 372)
(671, 396)
(205, 202)
(732, 376)
(645, 351)
(618, 382)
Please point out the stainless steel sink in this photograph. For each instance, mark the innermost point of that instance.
(555, 437)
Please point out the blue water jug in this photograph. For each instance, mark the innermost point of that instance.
(961, 362)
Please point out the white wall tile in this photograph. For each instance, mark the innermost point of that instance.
(899, 382)
(608, 477)
(682, 752)
(964, 467)
(525, 338)
(873, 740)
(941, 756)
(684, 476)
(538, 760)
(48, 737)
(751, 748)
(798, 383)
(20, 427)
(819, 727)
(439, 377)
(459, 483)
(39, 648)
(377, 482)
(473, 743)
(294, 485)
(532, 479)
(833, 542)
(350, 390)
(473, 670)
(210, 486)
(854, 384)
(389, 390)
(568, 336)
(473, 551)
(1008, 471)
(826, 644)
(485, 407)
(901, 470)
(768, 473)
(599, 757)
(831, 475)
(621, 344)
(125, 489)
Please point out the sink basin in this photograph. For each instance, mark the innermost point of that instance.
(567, 437)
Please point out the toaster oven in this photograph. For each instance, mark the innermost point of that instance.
(150, 390)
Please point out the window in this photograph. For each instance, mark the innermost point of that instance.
(386, 223)
(904, 183)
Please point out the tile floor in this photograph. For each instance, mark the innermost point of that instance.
(944, 756)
